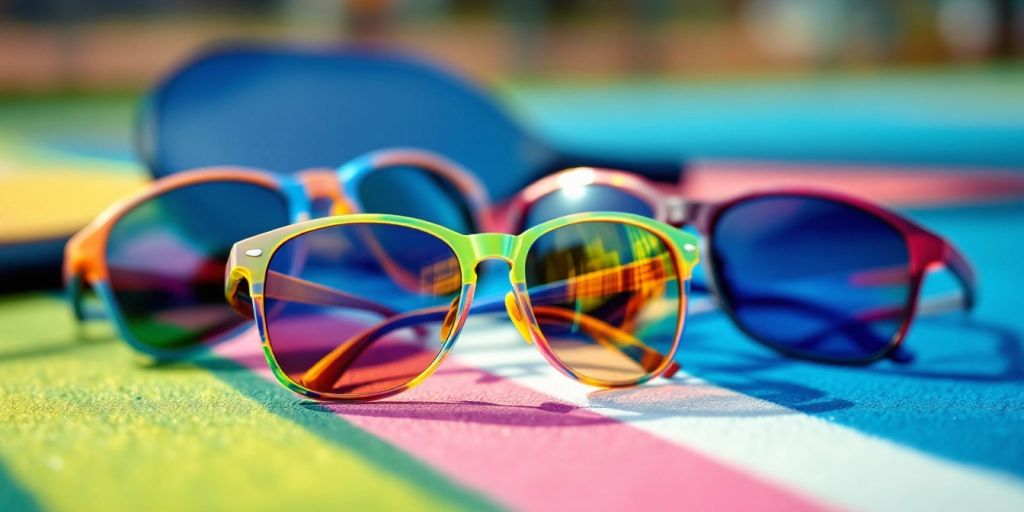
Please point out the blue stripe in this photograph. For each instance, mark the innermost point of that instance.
(889, 118)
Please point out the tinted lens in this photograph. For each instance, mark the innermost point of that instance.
(360, 308)
(607, 298)
(584, 198)
(413, 192)
(166, 259)
(813, 276)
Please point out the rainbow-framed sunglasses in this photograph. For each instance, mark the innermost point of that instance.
(813, 274)
(364, 306)
(156, 259)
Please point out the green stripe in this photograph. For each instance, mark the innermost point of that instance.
(83, 426)
(315, 418)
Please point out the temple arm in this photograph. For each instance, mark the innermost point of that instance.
(75, 290)
(961, 268)
(329, 368)
(963, 299)
(293, 289)
(637, 275)
(607, 335)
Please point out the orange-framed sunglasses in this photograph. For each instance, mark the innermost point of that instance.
(156, 260)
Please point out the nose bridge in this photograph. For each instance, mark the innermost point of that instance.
(324, 184)
(490, 246)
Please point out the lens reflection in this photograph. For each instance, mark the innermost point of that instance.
(360, 308)
(166, 259)
(607, 299)
(413, 192)
(813, 276)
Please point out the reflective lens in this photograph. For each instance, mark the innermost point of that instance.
(414, 192)
(360, 308)
(583, 198)
(607, 298)
(166, 259)
(813, 276)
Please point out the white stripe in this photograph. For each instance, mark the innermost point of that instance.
(827, 461)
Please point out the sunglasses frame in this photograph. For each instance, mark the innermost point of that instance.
(250, 260)
(927, 251)
(85, 261)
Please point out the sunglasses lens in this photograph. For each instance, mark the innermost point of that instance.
(583, 198)
(607, 299)
(360, 309)
(813, 276)
(414, 192)
(166, 259)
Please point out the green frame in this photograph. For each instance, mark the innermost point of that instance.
(250, 258)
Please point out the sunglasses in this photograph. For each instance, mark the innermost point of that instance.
(364, 306)
(812, 274)
(157, 259)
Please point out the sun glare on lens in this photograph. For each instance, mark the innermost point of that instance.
(573, 184)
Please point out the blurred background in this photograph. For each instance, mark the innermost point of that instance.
(52, 45)
(914, 83)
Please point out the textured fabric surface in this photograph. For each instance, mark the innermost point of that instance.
(497, 427)
(85, 425)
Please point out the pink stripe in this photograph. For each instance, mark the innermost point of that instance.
(531, 451)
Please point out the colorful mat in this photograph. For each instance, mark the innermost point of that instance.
(83, 425)
(497, 428)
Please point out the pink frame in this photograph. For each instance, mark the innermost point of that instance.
(927, 250)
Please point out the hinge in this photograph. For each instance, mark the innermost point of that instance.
(676, 211)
